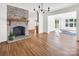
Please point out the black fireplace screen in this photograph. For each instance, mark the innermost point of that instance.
(19, 30)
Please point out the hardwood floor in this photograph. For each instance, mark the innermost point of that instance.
(42, 45)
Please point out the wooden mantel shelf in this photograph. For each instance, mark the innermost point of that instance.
(17, 20)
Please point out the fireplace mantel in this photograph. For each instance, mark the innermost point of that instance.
(17, 20)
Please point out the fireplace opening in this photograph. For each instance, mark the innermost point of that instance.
(19, 30)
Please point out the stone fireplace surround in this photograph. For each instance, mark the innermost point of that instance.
(17, 19)
(15, 24)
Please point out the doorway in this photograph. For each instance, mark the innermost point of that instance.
(56, 23)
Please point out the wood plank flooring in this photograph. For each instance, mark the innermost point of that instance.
(42, 45)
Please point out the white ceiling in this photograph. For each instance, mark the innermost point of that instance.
(31, 6)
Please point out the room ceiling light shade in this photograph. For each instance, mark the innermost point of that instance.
(41, 8)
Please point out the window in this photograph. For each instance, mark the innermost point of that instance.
(71, 20)
(74, 22)
(66, 25)
(70, 23)
(66, 20)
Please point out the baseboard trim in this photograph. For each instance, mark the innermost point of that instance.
(43, 33)
(3, 42)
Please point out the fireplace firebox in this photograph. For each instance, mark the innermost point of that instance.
(19, 30)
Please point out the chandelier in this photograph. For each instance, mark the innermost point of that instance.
(41, 8)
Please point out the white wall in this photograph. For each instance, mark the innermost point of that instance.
(51, 23)
(3, 22)
(32, 18)
(45, 22)
(40, 23)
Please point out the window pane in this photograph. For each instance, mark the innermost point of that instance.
(66, 20)
(71, 20)
(74, 24)
(71, 24)
(75, 20)
(66, 25)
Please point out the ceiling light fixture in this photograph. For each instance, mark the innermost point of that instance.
(41, 9)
